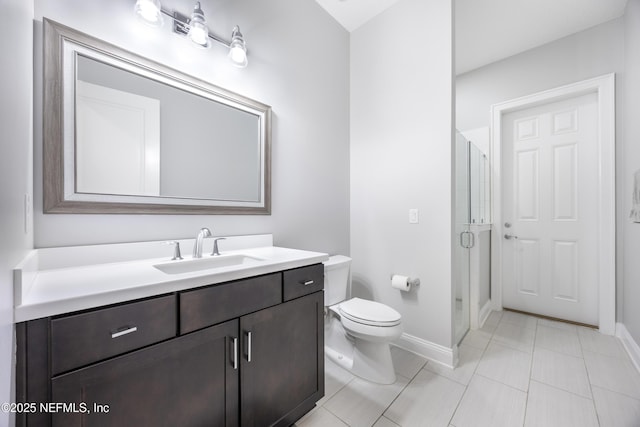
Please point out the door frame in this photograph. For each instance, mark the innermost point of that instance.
(604, 87)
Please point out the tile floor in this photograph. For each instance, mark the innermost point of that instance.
(516, 371)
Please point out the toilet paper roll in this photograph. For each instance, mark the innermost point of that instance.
(400, 282)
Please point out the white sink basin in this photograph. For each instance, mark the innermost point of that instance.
(206, 263)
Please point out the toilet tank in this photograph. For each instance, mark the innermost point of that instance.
(337, 273)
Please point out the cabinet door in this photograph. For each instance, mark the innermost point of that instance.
(186, 381)
(282, 372)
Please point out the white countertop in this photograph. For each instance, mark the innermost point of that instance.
(45, 287)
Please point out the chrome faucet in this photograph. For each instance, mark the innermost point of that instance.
(216, 252)
(197, 247)
(176, 250)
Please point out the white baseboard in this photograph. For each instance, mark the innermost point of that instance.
(432, 351)
(485, 311)
(629, 344)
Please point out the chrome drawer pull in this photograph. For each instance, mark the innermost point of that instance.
(307, 283)
(248, 346)
(124, 332)
(235, 353)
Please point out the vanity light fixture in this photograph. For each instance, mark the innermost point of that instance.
(194, 27)
(238, 49)
(150, 12)
(198, 30)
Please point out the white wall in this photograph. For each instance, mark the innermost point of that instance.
(401, 158)
(15, 171)
(631, 163)
(594, 52)
(298, 64)
(590, 53)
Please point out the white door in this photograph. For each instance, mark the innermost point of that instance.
(550, 210)
(116, 132)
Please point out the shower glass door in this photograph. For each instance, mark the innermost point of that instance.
(463, 239)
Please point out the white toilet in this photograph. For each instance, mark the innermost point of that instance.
(357, 331)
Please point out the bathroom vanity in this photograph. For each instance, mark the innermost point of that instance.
(241, 352)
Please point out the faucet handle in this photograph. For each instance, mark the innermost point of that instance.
(215, 246)
(176, 249)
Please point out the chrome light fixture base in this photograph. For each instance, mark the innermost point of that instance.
(194, 27)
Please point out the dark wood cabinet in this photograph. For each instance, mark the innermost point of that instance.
(243, 353)
(187, 381)
(282, 369)
(85, 338)
(231, 300)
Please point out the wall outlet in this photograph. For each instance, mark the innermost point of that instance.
(414, 216)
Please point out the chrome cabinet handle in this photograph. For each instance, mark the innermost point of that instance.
(248, 346)
(307, 283)
(235, 353)
(124, 332)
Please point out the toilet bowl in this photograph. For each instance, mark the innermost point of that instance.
(358, 331)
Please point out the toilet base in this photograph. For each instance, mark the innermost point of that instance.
(368, 360)
(372, 361)
(338, 358)
(371, 364)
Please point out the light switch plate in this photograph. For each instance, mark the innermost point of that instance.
(414, 216)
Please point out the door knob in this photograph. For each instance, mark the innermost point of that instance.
(507, 225)
(510, 236)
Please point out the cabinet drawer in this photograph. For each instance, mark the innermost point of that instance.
(85, 338)
(214, 304)
(303, 281)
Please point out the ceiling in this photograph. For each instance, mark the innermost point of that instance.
(490, 30)
(353, 13)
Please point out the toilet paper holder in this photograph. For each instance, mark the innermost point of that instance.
(412, 281)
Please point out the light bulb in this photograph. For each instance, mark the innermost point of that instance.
(198, 30)
(150, 11)
(199, 34)
(238, 49)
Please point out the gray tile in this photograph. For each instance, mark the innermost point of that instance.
(360, 403)
(406, 363)
(558, 325)
(506, 365)
(616, 410)
(551, 407)
(613, 374)
(429, 400)
(467, 363)
(595, 342)
(558, 340)
(561, 370)
(494, 318)
(335, 377)
(488, 328)
(492, 322)
(477, 338)
(561, 365)
(320, 417)
(519, 319)
(514, 336)
(385, 422)
(488, 403)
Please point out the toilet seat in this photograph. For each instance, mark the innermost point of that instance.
(369, 313)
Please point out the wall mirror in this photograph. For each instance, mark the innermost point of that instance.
(123, 134)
